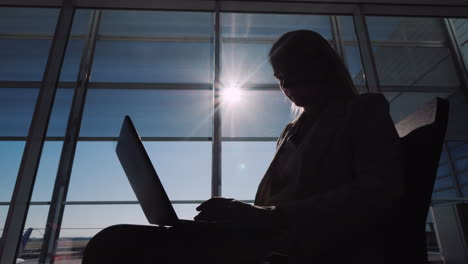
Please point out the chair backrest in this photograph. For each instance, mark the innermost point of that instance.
(422, 135)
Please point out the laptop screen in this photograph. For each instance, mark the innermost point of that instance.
(143, 177)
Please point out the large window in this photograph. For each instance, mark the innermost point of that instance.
(254, 110)
(23, 51)
(415, 64)
(159, 68)
(33, 33)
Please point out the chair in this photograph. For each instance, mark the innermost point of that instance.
(422, 134)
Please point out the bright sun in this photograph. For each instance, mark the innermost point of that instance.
(232, 95)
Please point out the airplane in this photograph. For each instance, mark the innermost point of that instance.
(24, 241)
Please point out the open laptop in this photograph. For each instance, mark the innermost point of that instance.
(144, 179)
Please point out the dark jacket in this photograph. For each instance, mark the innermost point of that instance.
(350, 186)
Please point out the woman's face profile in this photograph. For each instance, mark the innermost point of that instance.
(299, 82)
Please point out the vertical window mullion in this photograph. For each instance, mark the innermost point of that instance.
(336, 33)
(30, 162)
(54, 219)
(453, 174)
(216, 153)
(368, 62)
(454, 47)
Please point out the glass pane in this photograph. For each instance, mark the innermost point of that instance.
(450, 193)
(183, 167)
(156, 23)
(411, 51)
(247, 39)
(16, 110)
(463, 177)
(246, 63)
(26, 44)
(244, 164)
(458, 149)
(81, 22)
(156, 113)
(76, 42)
(20, 54)
(460, 26)
(36, 221)
(3, 216)
(458, 127)
(461, 164)
(47, 171)
(71, 62)
(255, 114)
(43, 187)
(11, 153)
(405, 29)
(465, 191)
(271, 25)
(431, 239)
(415, 66)
(152, 61)
(28, 20)
(443, 170)
(347, 31)
(149, 46)
(443, 183)
(352, 55)
(17, 107)
(60, 111)
(354, 64)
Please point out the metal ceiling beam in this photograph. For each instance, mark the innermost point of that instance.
(242, 40)
(62, 180)
(433, 8)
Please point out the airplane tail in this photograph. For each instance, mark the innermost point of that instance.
(24, 241)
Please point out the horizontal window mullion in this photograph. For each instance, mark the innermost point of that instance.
(32, 84)
(450, 199)
(183, 202)
(403, 43)
(254, 139)
(208, 39)
(416, 88)
(36, 36)
(147, 138)
(150, 86)
(115, 202)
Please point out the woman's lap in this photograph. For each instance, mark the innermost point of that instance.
(193, 243)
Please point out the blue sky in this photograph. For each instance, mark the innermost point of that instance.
(184, 167)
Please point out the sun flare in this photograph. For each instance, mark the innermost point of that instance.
(232, 95)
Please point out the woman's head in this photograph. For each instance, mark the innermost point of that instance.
(309, 70)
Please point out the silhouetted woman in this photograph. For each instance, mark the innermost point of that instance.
(329, 195)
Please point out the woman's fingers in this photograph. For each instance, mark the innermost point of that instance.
(212, 215)
(214, 203)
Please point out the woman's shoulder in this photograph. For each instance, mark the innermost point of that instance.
(368, 102)
(369, 98)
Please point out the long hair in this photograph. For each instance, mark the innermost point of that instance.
(306, 47)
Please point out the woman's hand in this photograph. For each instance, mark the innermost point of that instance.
(240, 214)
